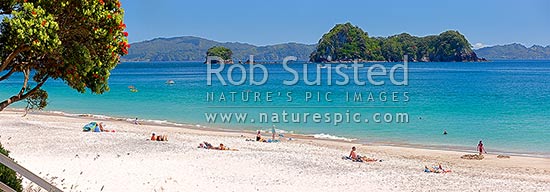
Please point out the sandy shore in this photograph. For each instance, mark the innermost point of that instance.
(55, 148)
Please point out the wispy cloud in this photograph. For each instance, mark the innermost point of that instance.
(479, 45)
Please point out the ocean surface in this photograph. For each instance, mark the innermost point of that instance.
(504, 103)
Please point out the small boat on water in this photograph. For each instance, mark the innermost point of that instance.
(170, 82)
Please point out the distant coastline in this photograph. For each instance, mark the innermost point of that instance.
(190, 51)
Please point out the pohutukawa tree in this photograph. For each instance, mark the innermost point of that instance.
(77, 41)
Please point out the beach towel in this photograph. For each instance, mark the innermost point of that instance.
(90, 126)
(97, 129)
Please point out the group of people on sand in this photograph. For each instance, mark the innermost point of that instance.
(155, 137)
(206, 145)
(259, 137)
(357, 158)
(352, 155)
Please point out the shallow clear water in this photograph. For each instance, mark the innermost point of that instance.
(505, 103)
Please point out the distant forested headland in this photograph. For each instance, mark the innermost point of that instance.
(344, 42)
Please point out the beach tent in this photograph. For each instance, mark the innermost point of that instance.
(92, 126)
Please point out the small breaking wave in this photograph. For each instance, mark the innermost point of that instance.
(331, 137)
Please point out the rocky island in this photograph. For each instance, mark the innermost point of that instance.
(346, 43)
(221, 52)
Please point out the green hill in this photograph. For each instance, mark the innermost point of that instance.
(345, 42)
(189, 48)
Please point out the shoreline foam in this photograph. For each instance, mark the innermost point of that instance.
(320, 136)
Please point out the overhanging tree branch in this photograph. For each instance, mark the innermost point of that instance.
(12, 56)
(7, 75)
(61, 42)
(22, 96)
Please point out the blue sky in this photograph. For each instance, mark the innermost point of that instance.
(305, 21)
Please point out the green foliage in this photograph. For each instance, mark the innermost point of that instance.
(394, 47)
(77, 41)
(346, 42)
(451, 46)
(220, 51)
(8, 176)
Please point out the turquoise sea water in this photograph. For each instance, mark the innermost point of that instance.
(504, 103)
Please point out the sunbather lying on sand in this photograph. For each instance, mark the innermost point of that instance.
(207, 145)
(436, 169)
(357, 158)
(154, 137)
(102, 129)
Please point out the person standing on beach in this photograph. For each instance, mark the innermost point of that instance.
(480, 148)
(273, 132)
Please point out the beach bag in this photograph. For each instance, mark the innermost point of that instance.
(90, 126)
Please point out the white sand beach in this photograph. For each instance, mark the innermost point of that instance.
(54, 147)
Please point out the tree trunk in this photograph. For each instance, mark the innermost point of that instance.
(9, 101)
(22, 96)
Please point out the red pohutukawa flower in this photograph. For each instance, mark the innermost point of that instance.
(124, 47)
(122, 25)
(125, 33)
(101, 2)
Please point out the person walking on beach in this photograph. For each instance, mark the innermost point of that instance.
(480, 148)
